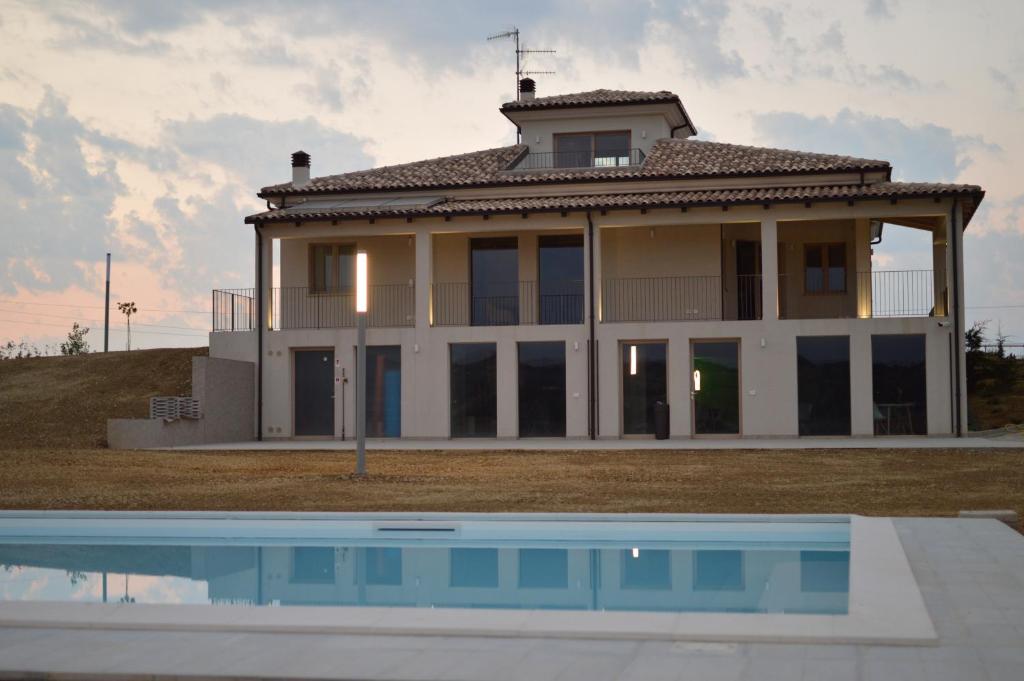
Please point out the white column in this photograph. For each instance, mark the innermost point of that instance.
(424, 275)
(769, 269)
(862, 267)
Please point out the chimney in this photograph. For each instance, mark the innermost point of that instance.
(300, 169)
(527, 88)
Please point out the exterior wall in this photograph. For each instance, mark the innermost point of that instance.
(393, 258)
(224, 388)
(700, 241)
(768, 373)
(793, 236)
(645, 130)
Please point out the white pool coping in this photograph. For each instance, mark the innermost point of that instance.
(885, 603)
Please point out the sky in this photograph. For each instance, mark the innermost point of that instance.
(146, 128)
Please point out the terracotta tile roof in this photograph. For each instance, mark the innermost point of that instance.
(668, 159)
(591, 98)
(636, 200)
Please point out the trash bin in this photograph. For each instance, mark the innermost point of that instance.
(660, 421)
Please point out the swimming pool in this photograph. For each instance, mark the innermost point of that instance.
(607, 570)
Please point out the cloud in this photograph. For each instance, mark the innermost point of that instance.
(261, 150)
(832, 40)
(881, 9)
(61, 183)
(924, 152)
(56, 208)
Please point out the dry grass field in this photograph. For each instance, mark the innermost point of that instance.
(53, 415)
(900, 483)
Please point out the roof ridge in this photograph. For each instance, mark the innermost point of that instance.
(419, 162)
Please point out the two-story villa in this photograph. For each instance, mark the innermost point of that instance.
(566, 285)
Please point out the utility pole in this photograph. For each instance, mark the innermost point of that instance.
(106, 311)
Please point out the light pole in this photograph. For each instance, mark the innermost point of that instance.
(361, 285)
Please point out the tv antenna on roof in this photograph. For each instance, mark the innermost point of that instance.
(521, 53)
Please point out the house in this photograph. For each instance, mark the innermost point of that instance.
(566, 285)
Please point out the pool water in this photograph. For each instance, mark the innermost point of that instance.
(751, 567)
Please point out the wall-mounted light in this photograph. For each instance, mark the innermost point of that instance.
(696, 380)
(636, 552)
(361, 279)
(632, 360)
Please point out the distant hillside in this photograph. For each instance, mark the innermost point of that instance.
(66, 401)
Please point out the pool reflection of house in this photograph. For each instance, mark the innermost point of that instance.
(762, 580)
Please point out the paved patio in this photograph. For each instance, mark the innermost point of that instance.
(993, 441)
(971, 574)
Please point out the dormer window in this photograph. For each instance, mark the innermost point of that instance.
(592, 149)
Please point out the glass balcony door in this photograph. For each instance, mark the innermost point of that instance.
(715, 387)
(494, 276)
(644, 383)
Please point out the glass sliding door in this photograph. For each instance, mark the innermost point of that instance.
(898, 385)
(643, 384)
(560, 274)
(384, 391)
(823, 384)
(474, 390)
(542, 389)
(715, 386)
(494, 277)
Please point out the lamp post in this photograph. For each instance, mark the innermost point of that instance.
(361, 307)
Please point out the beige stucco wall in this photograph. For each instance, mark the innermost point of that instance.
(644, 130)
(392, 257)
(440, 251)
(793, 237)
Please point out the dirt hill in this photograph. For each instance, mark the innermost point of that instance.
(66, 401)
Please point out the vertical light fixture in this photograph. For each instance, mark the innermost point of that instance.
(632, 360)
(696, 380)
(362, 275)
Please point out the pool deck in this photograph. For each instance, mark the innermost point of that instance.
(970, 573)
(997, 440)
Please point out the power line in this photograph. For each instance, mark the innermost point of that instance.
(99, 307)
(95, 322)
(61, 326)
(991, 307)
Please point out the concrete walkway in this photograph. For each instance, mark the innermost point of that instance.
(971, 575)
(992, 442)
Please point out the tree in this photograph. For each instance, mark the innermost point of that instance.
(76, 343)
(128, 309)
(975, 336)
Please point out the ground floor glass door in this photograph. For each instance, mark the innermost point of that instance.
(715, 387)
(473, 390)
(314, 392)
(384, 391)
(643, 384)
(542, 389)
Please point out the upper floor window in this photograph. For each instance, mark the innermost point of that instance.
(578, 150)
(824, 268)
(332, 268)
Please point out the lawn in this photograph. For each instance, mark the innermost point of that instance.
(871, 482)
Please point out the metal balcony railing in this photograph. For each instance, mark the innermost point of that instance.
(234, 309)
(300, 307)
(876, 294)
(580, 159)
(509, 304)
(670, 299)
